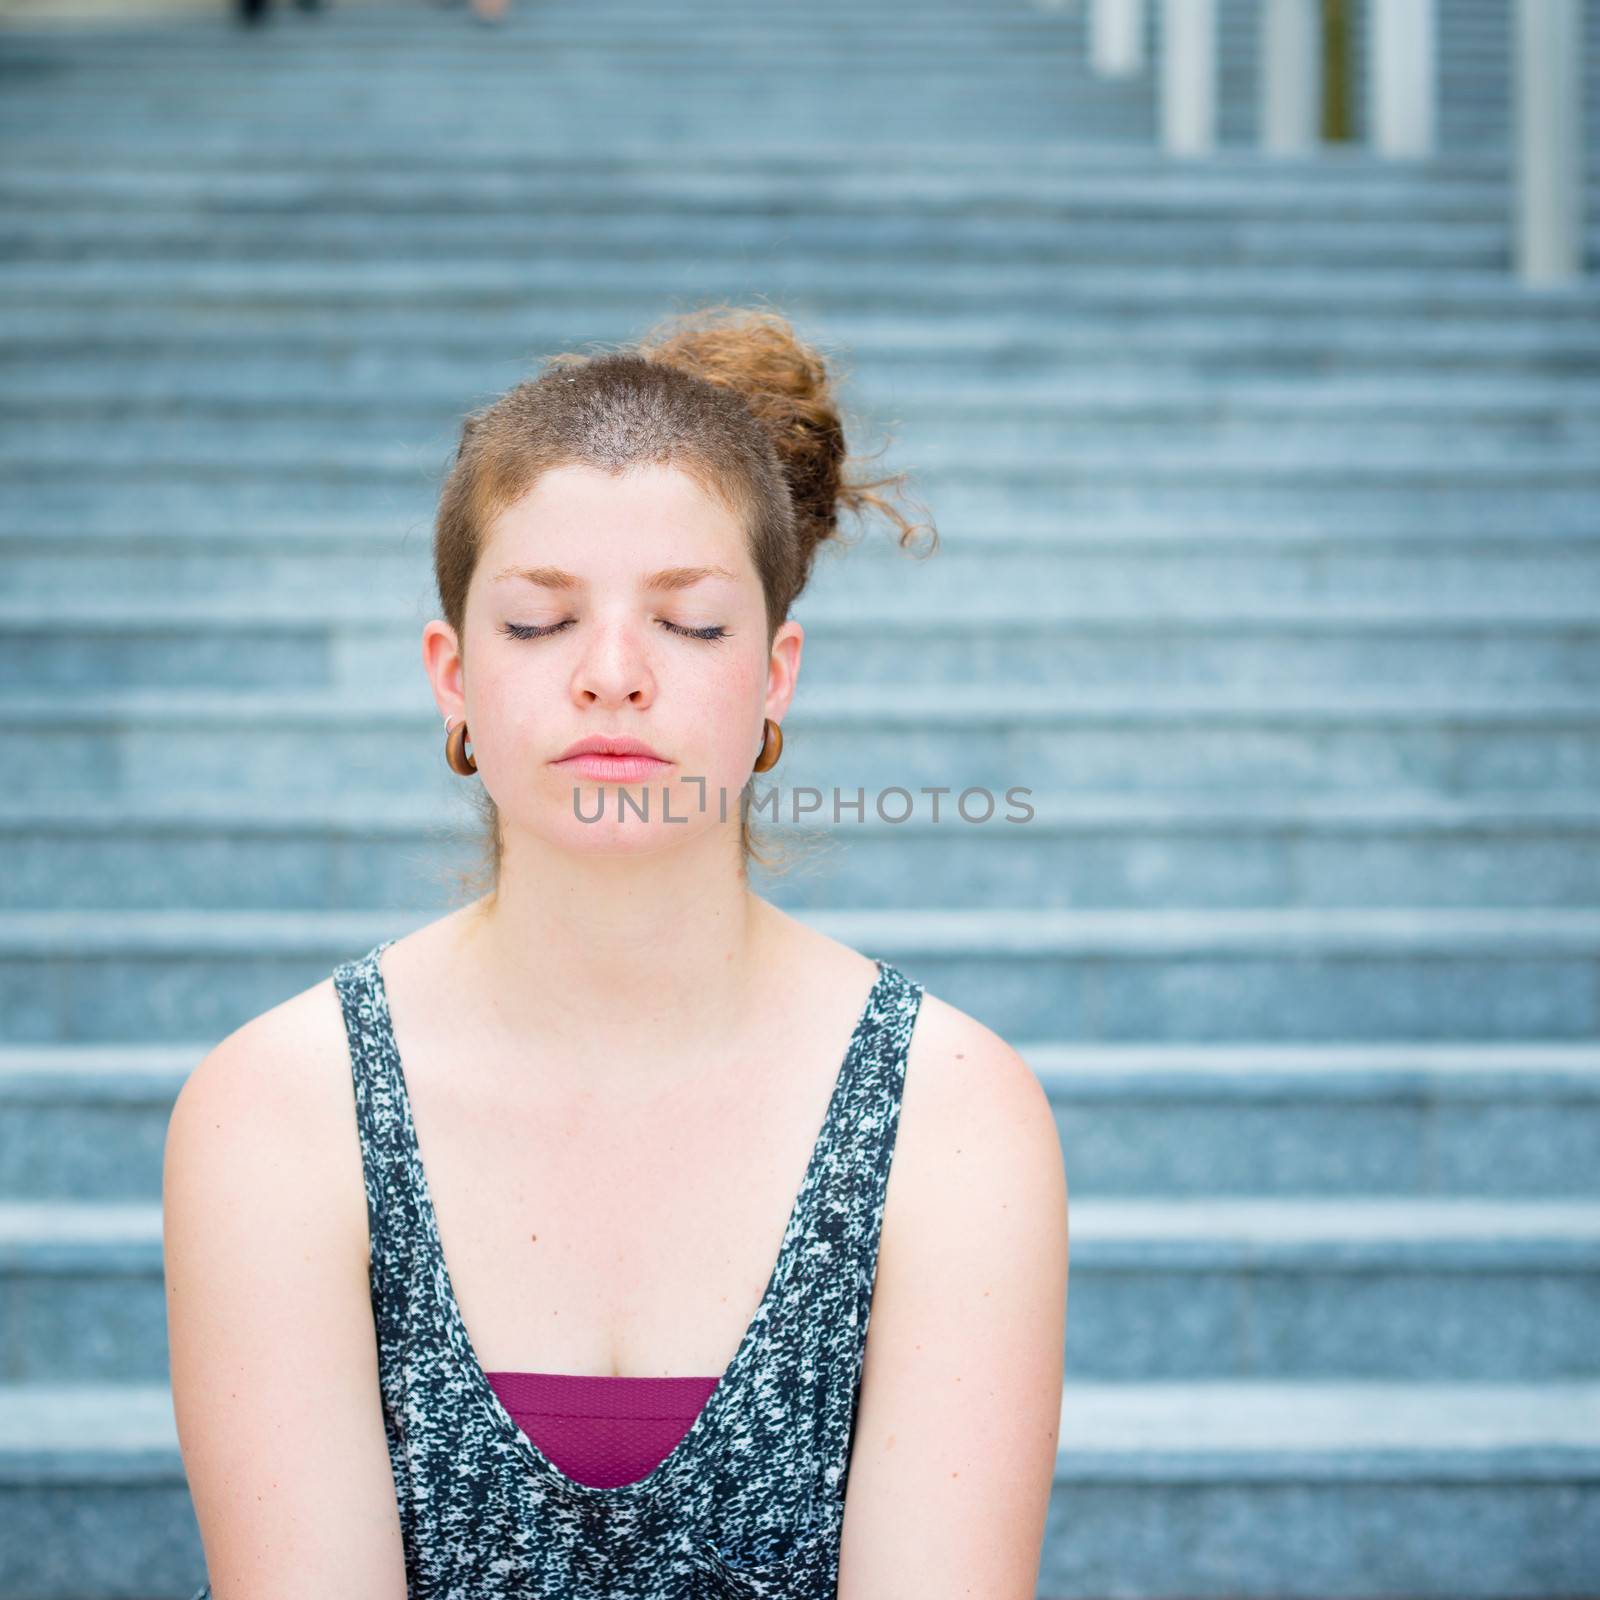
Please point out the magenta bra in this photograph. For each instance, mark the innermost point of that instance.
(602, 1431)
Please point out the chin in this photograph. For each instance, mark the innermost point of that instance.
(631, 835)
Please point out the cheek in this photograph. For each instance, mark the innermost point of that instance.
(503, 706)
(734, 693)
(728, 710)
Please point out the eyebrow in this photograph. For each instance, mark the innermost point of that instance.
(668, 579)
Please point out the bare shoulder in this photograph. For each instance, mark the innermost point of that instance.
(971, 1106)
(281, 1084)
(307, 1023)
(270, 1328)
(959, 1417)
(263, 1136)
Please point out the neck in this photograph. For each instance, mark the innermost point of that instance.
(646, 960)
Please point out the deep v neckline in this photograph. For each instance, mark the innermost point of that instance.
(705, 1425)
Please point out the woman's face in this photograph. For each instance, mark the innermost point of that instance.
(623, 606)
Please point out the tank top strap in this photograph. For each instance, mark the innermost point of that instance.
(380, 1104)
(865, 1136)
(830, 1302)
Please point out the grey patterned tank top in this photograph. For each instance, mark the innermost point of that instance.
(750, 1502)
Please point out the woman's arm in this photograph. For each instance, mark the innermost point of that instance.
(269, 1321)
(960, 1407)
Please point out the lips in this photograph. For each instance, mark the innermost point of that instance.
(605, 744)
(612, 759)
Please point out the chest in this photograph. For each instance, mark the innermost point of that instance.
(599, 1233)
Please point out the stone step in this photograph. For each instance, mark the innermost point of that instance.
(407, 384)
(1114, 851)
(1362, 1286)
(1011, 183)
(1552, 409)
(824, 61)
(881, 637)
(1209, 741)
(465, 282)
(1044, 453)
(1464, 1120)
(1165, 1490)
(1467, 244)
(1103, 122)
(1218, 345)
(1323, 1491)
(717, 40)
(1467, 26)
(253, 296)
(581, 116)
(50, 570)
(592, 97)
(1310, 974)
(1562, 440)
(301, 157)
(251, 502)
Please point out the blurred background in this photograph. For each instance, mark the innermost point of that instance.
(1245, 352)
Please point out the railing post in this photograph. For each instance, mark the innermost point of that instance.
(1547, 137)
(1291, 75)
(1116, 37)
(1188, 76)
(1401, 80)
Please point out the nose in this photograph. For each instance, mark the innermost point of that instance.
(614, 667)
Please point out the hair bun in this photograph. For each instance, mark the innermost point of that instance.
(787, 386)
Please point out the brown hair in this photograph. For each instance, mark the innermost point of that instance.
(729, 395)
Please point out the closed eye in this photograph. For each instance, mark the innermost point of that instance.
(524, 630)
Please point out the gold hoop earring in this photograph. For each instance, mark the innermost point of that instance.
(455, 750)
(771, 747)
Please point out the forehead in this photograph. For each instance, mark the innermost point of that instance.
(641, 506)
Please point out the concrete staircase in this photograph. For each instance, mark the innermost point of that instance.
(1271, 513)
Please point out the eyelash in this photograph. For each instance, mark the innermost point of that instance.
(522, 630)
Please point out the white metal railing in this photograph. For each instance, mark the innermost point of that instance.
(1546, 96)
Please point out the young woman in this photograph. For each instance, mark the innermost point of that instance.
(647, 1118)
